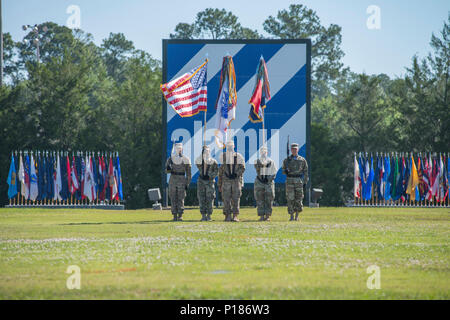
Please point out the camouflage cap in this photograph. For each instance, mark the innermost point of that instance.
(294, 145)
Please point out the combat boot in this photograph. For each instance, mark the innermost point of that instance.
(296, 216)
(203, 217)
(208, 217)
(267, 217)
(175, 218)
(261, 218)
(292, 217)
(180, 217)
(235, 218)
(228, 217)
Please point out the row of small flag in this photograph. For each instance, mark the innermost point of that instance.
(54, 177)
(188, 94)
(402, 178)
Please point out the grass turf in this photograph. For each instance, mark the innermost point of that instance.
(142, 255)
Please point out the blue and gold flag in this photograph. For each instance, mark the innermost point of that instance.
(12, 180)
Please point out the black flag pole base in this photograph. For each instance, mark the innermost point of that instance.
(70, 206)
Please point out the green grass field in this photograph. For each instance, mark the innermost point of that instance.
(142, 255)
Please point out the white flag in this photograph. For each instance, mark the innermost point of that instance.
(33, 180)
(57, 181)
(224, 116)
(357, 181)
(74, 178)
(88, 181)
(23, 189)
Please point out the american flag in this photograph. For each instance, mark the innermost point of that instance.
(188, 94)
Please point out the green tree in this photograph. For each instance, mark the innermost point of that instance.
(137, 121)
(439, 61)
(62, 96)
(184, 31)
(299, 22)
(53, 40)
(413, 99)
(12, 133)
(115, 51)
(365, 108)
(10, 68)
(214, 24)
(329, 165)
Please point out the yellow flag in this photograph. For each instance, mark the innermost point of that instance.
(413, 181)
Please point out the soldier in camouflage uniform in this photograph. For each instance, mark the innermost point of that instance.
(231, 181)
(208, 170)
(179, 167)
(295, 168)
(264, 187)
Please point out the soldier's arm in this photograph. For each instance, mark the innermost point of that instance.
(273, 171)
(220, 180)
(213, 171)
(305, 173)
(188, 174)
(284, 167)
(169, 165)
(240, 167)
(257, 168)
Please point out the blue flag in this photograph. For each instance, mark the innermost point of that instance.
(386, 178)
(95, 172)
(12, 180)
(448, 178)
(50, 180)
(362, 176)
(370, 174)
(119, 178)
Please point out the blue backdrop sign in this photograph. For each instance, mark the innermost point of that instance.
(287, 114)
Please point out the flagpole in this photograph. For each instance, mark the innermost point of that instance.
(204, 112)
(204, 128)
(264, 135)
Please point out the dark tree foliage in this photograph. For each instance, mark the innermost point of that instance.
(214, 24)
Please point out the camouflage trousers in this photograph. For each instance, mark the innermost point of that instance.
(264, 195)
(231, 195)
(294, 196)
(206, 195)
(177, 193)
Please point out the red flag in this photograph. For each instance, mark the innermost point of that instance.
(261, 93)
(112, 180)
(69, 173)
(74, 177)
(105, 179)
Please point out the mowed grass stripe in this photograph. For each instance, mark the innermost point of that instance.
(143, 255)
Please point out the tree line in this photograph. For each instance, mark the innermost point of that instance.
(81, 96)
